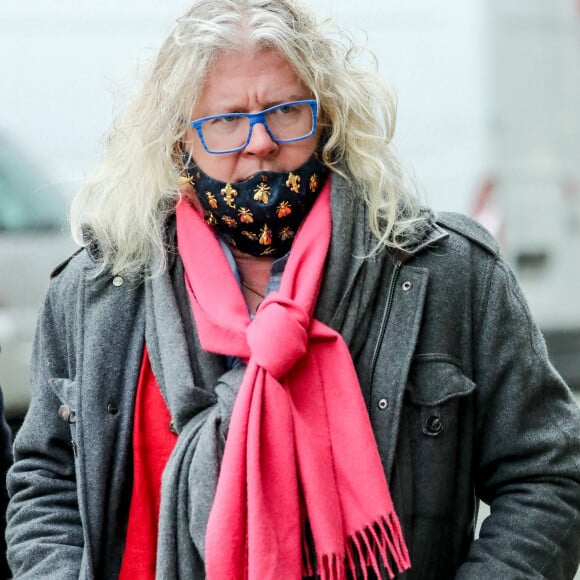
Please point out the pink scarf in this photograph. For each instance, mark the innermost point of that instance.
(300, 449)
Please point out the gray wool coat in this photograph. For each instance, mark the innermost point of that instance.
(462, 398)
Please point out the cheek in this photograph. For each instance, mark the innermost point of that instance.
(217, 166)
(221, 167)
(300, 152)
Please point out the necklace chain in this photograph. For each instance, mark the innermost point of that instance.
(251, 289)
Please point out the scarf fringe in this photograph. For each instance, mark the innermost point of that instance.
(307, 568)
(381, 542)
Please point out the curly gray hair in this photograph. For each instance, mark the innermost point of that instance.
(126, 200)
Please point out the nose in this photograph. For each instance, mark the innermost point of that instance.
(260, 144)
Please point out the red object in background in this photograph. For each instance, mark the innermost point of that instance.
(486, 209)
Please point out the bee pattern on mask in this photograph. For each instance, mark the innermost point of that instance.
(286, 233)
(229, 221)
(261, 214)
(186, 180)
(265, 236)
(314, 182)
(210, 219)
(262, 192)
(283, 209)
(246, 216)
(211, 200)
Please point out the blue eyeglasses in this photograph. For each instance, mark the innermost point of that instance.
(231, 132)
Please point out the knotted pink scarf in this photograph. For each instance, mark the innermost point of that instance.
(300, 447)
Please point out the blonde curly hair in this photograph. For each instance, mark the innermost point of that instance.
(126, 201)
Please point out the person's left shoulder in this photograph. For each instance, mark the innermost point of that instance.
(468, 228)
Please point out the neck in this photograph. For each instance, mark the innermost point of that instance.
(255, 273)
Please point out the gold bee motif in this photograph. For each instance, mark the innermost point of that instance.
(262, 193)
(229, 221)
(186, 180)
(284, 208)
(246, 216)
(186, 183)
(250, 235)
(286, 233)
(210, 219)
(265, 236)
(211, 200)
(229, 194)
(313, 182)
(293, 182)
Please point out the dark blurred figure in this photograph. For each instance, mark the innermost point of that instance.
(5, 462)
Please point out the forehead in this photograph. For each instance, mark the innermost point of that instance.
(249, 79)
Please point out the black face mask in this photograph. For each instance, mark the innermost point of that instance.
(260, 215)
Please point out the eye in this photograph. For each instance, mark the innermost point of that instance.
(225, 120)
(287, 108)
(227, 123)
(230, 118)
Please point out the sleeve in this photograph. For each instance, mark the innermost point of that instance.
(44, 532)
(527, 465)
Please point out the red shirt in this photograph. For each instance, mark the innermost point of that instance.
(153, 443)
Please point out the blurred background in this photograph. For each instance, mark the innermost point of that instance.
(489, 122)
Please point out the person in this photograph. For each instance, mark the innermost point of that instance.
(5, 462)
(270, 359)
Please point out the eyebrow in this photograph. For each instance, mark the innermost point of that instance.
(264, 105)
(294, 97)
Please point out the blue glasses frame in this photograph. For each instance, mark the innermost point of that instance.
(257, 118)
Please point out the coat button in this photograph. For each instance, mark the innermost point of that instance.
(112, 409)
(383, 404)
(407, 285)
(433, 425)
(117, 281)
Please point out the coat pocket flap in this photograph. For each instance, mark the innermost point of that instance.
(434, 381)
(65, 390)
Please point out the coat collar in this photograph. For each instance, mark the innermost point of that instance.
(432, 236)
